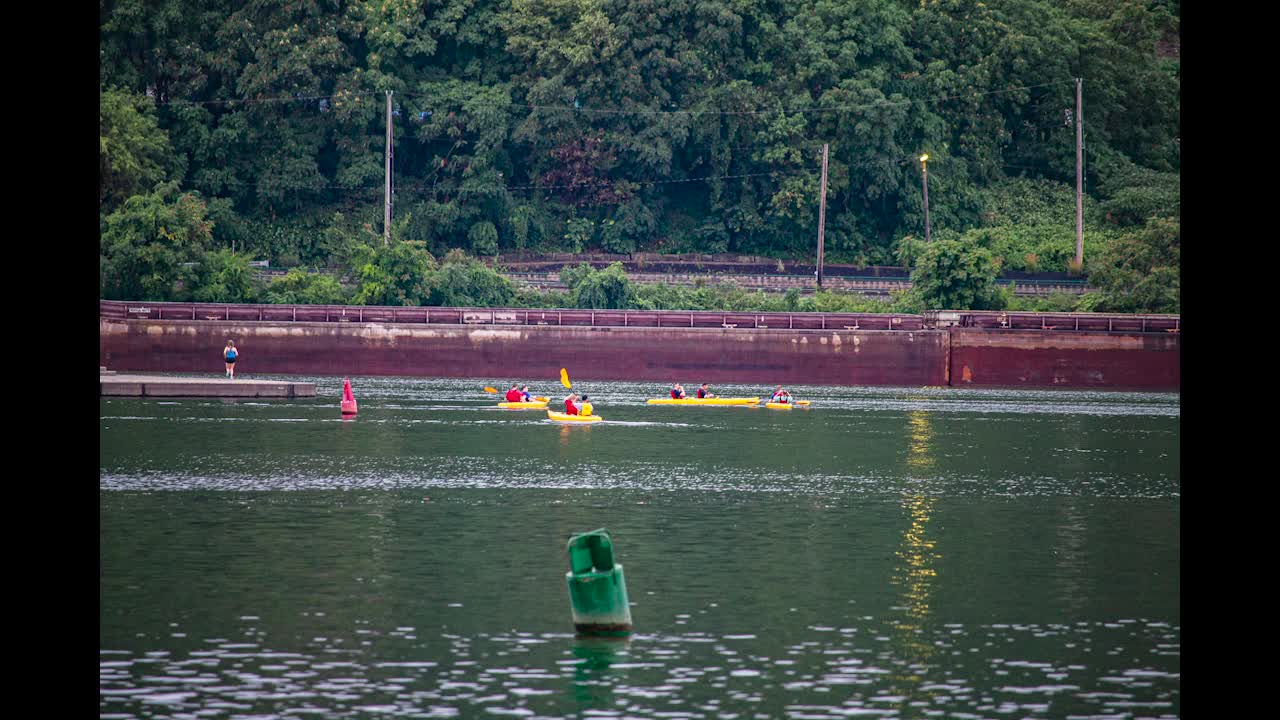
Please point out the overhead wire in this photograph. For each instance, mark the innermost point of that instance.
(358, 95)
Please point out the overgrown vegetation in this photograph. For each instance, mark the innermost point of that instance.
(234, 131)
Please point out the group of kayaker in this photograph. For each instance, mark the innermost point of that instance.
(580, 405)
(677, 393)
(703, 393)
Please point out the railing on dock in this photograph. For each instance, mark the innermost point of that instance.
(573, 317)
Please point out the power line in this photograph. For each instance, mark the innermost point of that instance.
(837, 108)
(360, 95)
(507, 188)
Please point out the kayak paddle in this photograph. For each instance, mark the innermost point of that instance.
(564, 378)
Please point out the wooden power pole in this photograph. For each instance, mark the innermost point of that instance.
(822, 214)
(1079, 176)
(924, 179)
(386, 209)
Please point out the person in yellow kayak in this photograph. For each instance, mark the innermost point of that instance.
(780, 395)
(571, 404)
(677, 392)
(524, 392)
(704, 392)
(513, 395)
(586, 406)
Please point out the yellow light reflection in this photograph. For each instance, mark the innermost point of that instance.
(916, 570)
(918, 457)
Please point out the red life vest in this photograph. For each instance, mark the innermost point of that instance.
(569, 409)
(514, 396)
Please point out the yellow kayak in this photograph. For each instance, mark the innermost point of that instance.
(561, 417)
(787, 406)
(524, 405)
(705, 401)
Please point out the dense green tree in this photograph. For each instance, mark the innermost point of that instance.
(484, 238)
(300, 287)
(956, 275)
(669, 125)
(222, 276)
(396, 274)
(133, 150)
(465, 281)
(609, 288)
(1140, 271)
(149, 245)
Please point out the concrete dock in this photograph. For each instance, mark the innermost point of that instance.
(116, 385)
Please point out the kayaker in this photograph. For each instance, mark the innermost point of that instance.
(780, 396)
(513, 395)
(586, 406)
(570, 408)
(704, 392)
(677, 392)
(524, 393)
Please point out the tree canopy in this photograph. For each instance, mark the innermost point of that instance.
(668, 125)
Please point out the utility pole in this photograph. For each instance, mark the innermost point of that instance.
(822, 214)
(924, 174)
(1079, 175)
(386, 210)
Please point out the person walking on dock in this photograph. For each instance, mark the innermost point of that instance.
(230, 354)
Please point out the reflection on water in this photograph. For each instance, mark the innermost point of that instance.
(592, 679)
(919, 458)
(891, 552)
(916, 569)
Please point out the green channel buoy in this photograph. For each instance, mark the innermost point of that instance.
(597, 587)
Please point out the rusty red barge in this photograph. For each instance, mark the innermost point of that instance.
(940, 348)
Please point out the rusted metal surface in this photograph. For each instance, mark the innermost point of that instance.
(1038, 358)
(938, 348)
(842, 357)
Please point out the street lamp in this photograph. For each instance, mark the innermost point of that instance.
(924, 174)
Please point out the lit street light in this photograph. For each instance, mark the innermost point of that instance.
(924, 173)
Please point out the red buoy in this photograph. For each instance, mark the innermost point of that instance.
(348, 398)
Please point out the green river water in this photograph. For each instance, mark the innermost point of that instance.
(889, 552)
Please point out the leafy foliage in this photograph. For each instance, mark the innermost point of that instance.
(1140, 271)
(609, 288)
(397, 274)
(150, 243)
(223, 277)
(465, 281)
(668, 125)
(956, 275)
(299, 287)
(133, 150)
